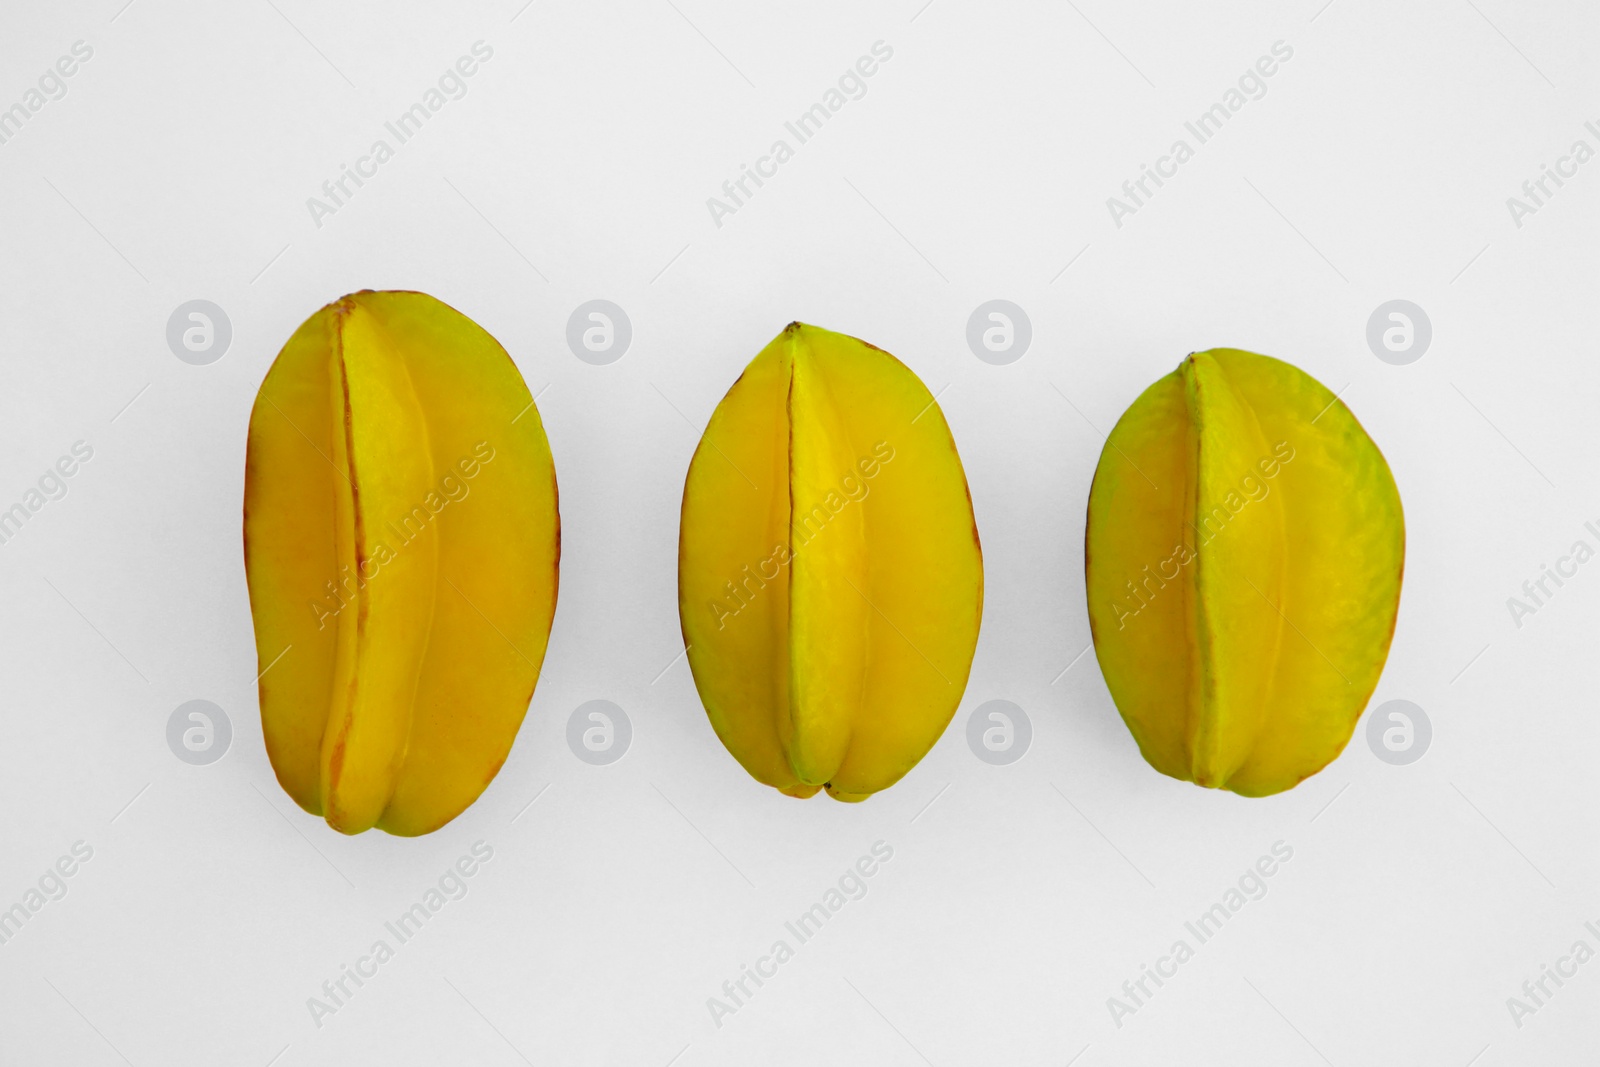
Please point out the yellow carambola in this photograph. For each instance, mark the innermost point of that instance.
(1243, 560)
(401, 544)
(830, 581)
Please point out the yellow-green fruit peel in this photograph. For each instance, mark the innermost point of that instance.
(1243, 557)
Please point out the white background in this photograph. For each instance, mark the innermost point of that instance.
(978, 165)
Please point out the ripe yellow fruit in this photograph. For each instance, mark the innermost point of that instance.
(1243, 558)
(830, 581)
(401, 543)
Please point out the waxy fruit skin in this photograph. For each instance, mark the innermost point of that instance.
(830, 580)
(1243, 558)
(402, 544)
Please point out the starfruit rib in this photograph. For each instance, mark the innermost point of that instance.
(828, 631)
(1238, 576)
(498, 550)
(1139, 572)
(733, 611)
(389, 462)
(347, 633)
(1343, 517)
(292, 483)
